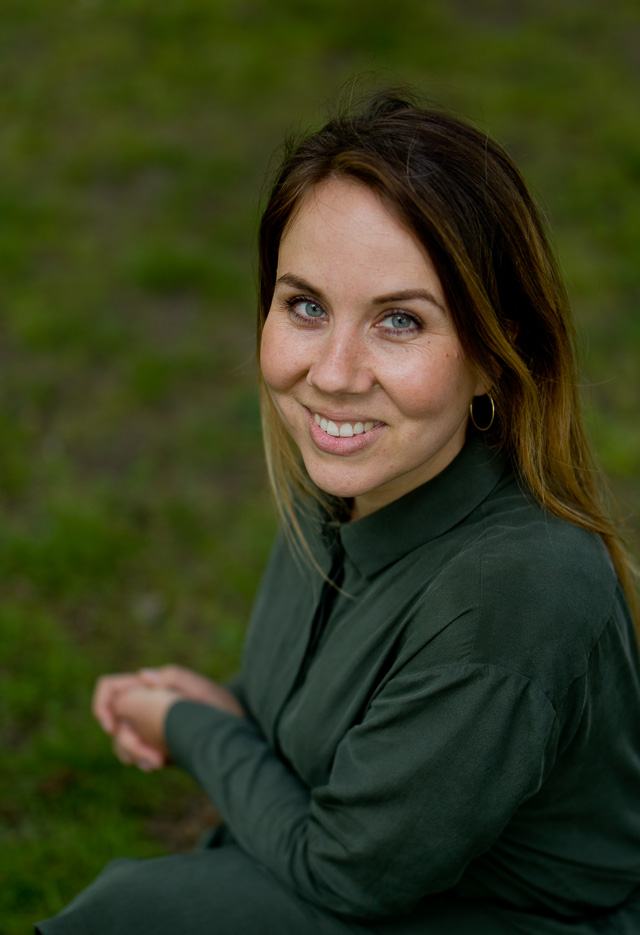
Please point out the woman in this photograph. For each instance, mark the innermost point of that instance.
(437, 724)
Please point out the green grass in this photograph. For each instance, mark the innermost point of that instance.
(135, 516)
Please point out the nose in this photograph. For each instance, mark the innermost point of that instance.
(340, 364)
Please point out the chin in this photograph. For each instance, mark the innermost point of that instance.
(339, 487)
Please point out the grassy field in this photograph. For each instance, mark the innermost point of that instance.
(135, 517)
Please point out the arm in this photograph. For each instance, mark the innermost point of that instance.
(422, 785)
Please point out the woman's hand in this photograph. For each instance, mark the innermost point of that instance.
(192, 686)
(107, 690)
(139, 734)
(132, 708)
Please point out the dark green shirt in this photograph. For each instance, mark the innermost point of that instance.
(463, 715)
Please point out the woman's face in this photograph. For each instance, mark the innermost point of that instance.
(359, 350)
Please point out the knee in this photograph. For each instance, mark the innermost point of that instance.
(128, 897)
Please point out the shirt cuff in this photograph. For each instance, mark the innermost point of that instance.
(189, 721)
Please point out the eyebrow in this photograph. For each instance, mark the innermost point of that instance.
(404, 295)
(288, 279)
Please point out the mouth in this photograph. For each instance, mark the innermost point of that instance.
(339, 429)
(341, 437)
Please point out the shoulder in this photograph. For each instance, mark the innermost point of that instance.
(527, 591)
(529, 554)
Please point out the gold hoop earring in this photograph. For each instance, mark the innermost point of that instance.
(485, 428)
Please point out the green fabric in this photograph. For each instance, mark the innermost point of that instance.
(218, 891)
(448, 745)
(462, 717)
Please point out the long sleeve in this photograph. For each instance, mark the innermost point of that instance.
(235, 686)
(426, 782)
(460, 717)
(448, 727)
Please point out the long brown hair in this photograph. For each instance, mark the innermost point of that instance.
(466, 202)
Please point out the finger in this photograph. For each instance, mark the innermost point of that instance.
(188, 683)
(147, 765)
(170, 676)
(121, 752)
(102, 701)
(130, 748)
(106, 691)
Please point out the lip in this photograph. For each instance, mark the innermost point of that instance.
(340, 416)
(339, 445)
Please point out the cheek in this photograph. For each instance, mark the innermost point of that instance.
(440, 386)
(277, 362)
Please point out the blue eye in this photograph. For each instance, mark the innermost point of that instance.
(399, 322)
(311, 310)
(304, 310)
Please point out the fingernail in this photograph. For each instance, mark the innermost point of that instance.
(151, 674)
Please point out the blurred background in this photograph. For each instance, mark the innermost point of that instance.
(134, 141)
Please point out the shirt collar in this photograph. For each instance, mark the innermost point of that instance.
(383, 537)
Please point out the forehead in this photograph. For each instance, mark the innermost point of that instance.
(342, 226)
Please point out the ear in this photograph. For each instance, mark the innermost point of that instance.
(487, 377)
(484, 381)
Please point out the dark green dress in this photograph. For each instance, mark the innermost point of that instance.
(450, 743)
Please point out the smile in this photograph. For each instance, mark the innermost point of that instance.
(345, 429)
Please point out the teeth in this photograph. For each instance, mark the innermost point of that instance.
(346, 430)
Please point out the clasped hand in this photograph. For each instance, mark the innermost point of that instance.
(132, 708)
